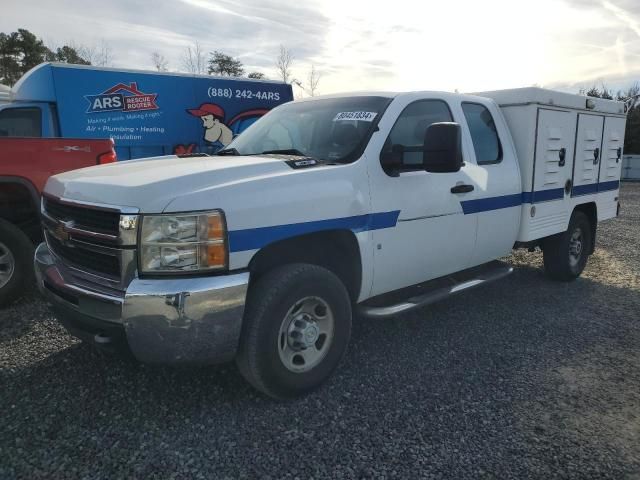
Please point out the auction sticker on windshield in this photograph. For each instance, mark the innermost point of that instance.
(362, 116)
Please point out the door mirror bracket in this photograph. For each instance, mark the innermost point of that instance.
(392, 160)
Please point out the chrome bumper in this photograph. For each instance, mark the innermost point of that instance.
(178, 320)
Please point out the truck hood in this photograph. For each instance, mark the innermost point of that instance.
(151, 184)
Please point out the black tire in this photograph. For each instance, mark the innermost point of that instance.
(269, 302)
(561, 260)
(19, 247)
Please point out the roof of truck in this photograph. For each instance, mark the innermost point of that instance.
(505, 98)
(420, 93)
(543, 96)
(350, 94)
(74, 66)
(38, 83)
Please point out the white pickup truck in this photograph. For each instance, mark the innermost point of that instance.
(377, 203)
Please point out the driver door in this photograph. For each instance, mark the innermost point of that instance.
(433, 237)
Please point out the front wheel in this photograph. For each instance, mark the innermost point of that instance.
(296, 329)
(566, 254)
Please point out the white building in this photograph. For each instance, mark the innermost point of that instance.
(631, 167)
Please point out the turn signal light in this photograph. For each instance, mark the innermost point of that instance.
(107, 157)
(216, 255)
(215, 230)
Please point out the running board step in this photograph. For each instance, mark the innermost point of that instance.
(436, 290)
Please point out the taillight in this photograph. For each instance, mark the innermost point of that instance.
(107, 157)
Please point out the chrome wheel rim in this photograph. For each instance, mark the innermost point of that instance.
(7, 264)
(306, 334)
(576, 245)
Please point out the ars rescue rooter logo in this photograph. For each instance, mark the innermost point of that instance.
(121, 97)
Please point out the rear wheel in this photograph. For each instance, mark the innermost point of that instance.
(16, 262)
(566, 254)
(296, 329)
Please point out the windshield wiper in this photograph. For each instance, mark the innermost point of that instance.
(285, 151)
(228, 151)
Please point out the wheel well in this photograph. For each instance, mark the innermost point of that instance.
(591, 211)
(335, 250)
(18, 207)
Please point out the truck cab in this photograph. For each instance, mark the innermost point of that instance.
(28, 119)
(375, 203)
(448, 221)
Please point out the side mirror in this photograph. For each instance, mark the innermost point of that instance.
(442, 151)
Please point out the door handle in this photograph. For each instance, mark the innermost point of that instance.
(619, 154)
(596, 154)
(462, 189)
(562, 155)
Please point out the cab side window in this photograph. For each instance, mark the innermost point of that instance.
(20, 122)
(484, 134)
(408, 131)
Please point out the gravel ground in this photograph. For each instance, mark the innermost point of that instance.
(525, 378)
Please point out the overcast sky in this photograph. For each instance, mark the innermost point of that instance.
(468, 45)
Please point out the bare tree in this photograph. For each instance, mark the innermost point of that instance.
(100, 55)
(159, 62)
(311, 86)
(194, 59)
(631, 96)
(283, 64)
(85, 51)
(312, 81)
(606, 93)
(105, 55)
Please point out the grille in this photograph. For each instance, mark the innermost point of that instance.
(100, 221)
(89, 260)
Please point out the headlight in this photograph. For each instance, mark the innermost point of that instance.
(183, 243)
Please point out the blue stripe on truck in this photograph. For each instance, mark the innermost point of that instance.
(254, 238)
(513, 200)
(606, 186)
(505, 201)
(595, 187)
(490, 203)
(543, 195)
(578, 190)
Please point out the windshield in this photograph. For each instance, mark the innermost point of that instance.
(332, 129)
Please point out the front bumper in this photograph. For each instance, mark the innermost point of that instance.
(168, 321)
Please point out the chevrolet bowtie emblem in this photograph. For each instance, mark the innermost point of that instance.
(60, 233)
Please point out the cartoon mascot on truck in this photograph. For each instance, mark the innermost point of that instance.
(218, 133)
(215, 131)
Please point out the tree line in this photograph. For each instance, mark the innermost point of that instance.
(194, 60)
(22, 50)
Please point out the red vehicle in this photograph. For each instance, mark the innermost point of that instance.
(25, 166)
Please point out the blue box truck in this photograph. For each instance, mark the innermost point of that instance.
(145, 113)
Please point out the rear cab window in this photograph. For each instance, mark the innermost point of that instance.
(21, 122)
(484, 134)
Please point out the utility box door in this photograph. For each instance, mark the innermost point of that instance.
(612, 145)
(554, 152)
(588, 153)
